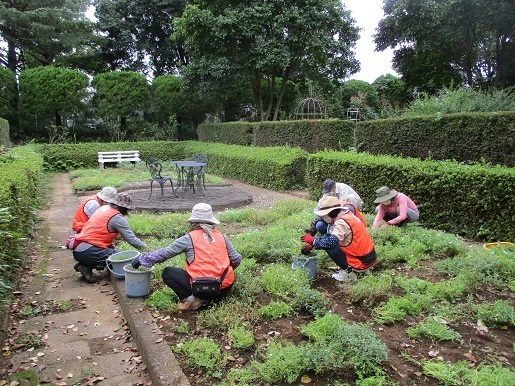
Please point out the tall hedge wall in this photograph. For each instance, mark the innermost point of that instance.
(310, 135)
(468, 137)
(20, 172)
(4, 133)
(474, 201)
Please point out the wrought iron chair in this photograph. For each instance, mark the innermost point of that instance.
(154, 167)
(200, 171)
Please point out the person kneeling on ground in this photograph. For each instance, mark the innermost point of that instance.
(209, 254)
(94, 244)
(346, 195)
(394, 208)
(347, 242)
(86, 208)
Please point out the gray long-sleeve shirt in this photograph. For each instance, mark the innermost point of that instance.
(184, 244)
(118, 223)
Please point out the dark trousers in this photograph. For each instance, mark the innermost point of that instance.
(94, 256)
(180, 283)
(337, 255)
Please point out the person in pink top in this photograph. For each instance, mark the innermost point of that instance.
(394, 208)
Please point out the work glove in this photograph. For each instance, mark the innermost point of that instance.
(307, 238)
(306, 248)
(135, 263)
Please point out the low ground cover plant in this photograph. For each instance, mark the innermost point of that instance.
(276, 326)
(435, 310)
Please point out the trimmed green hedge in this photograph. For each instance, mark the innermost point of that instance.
(274, 168)
(474, 201)
(63, 157)
(278, 168)
(467, 137)
(20, 172)
(310, 135)
(231, 133)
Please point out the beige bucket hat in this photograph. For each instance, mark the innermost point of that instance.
(108, 194)
(203, 213)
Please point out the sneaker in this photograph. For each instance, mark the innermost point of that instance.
(190, 302)
(87, 272)
(344, 276)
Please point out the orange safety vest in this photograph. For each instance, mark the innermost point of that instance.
(210, 258)
(95, 231)
(358, 213)
(360, 251)
(81, 217)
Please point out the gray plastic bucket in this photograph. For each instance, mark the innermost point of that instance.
(307, 263)
(137, 282)
(117, 261)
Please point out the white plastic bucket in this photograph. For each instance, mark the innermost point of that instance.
(137, 282)
(307, 263)
(117, 261)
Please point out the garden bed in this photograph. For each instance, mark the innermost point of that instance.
(441, 310)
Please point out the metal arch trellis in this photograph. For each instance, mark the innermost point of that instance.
(311, 108)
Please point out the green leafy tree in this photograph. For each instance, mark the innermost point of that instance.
(366, 91)
(52, 92)
(254, 43)
(438, 43)
(393, 93)
(120, 95)
(38, 32)
(138, 34)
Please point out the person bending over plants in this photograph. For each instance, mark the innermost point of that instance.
(347, 241)
(394, 208)
(94, 244)
(210, 261)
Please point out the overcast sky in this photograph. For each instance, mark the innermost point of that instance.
(367, 14)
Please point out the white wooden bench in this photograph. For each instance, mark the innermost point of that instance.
(118, 157)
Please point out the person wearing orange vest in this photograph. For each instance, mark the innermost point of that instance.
(347, 242)
(94, 244)
(86, 208)
(89, 205)
(346, 195)
(209, 253)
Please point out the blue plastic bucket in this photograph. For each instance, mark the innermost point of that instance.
(137, 282)
(307, 263)
(117, 261)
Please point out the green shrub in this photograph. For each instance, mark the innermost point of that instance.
(311, 301)
(241, 337)
(275, 310)
(280, 280)
(500, 313)
(283, 362)
(201, 353)
(434, 329)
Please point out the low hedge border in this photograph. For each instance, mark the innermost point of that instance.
(475, 201)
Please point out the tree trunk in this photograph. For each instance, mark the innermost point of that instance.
(58, 120)
(257, 93)
(281, 93)
(12, 64)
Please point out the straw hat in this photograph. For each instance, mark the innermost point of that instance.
(384, 193)
(107, 194)
(203, 213)
(328, 204)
